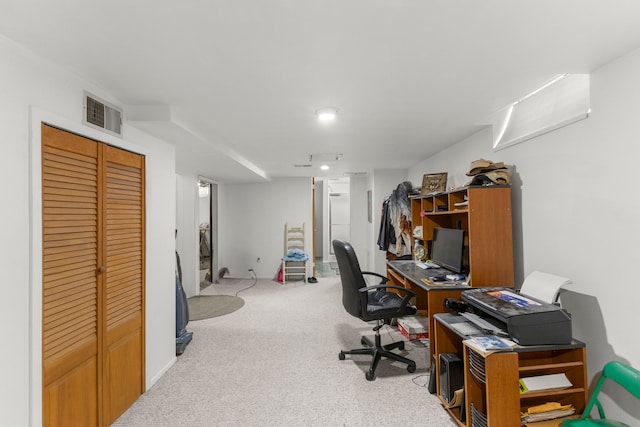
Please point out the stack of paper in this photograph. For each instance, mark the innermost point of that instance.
(547, 411)
(544, 382)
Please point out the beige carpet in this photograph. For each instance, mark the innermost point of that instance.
(275, 363)
(208, 306)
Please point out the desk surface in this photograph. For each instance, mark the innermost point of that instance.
(447, 319)
(411, 271)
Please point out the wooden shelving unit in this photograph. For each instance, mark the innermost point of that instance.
(492, 394)
(485, 216)
(484, 213)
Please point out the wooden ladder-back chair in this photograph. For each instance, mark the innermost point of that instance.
(294, 261)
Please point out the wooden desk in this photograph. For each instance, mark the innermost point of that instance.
(429, 300)
(491, 381)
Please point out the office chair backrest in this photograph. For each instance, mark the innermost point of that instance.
(351, 277)
(625, 375)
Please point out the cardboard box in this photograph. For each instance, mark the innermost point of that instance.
(414, 327)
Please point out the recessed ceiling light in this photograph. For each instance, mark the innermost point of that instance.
(326, 114)
(324, 167)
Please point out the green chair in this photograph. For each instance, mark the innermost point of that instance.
(626, 376)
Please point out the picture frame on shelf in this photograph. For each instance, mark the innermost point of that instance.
(434, 183)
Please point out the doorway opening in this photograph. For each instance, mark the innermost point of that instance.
(207, 232)
(332, 221)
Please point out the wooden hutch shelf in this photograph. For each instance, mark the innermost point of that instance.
(484, 213)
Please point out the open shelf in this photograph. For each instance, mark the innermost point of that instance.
(484, 213)
(491, 382)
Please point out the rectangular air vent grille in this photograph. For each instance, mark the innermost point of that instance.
(102, 115)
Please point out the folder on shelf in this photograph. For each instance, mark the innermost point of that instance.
(544, 382)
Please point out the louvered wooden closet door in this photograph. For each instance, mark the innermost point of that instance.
(124, 278)
(93, 280)
(70, 220)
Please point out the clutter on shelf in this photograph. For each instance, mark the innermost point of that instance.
(486, 172)
(547, 411)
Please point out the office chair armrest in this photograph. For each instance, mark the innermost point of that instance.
(405, 300)
(384, 279)
(409, 292)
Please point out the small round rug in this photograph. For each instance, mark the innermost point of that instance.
(207, 306)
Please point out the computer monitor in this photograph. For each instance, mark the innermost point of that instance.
(447, 248)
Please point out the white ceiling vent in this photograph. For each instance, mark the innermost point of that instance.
(102, 115)
(325, 157)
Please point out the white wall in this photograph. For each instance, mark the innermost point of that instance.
(576, 215)
(187, 222)
(252, 219)
(358, 220)
(34, 90)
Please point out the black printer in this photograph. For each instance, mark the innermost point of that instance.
(529, 321)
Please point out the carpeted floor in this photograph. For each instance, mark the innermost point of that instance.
(275, 363)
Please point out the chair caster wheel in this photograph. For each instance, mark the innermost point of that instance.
(370, 376)
(364, 342)
(341, 355)
(401, 345)
(411, 368)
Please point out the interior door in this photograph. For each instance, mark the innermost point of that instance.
(93, 280)
(339, 218)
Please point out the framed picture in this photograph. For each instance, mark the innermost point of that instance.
(434, 183)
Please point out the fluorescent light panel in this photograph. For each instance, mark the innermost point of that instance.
(556, 104)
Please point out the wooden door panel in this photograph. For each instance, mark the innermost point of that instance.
(123, 369)
(123, 187)
(69, 286)
(72, 400)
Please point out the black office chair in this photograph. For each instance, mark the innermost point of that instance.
(371, 303)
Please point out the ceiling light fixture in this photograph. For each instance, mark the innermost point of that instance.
(326, 114)
(324, 167)
(560, 102)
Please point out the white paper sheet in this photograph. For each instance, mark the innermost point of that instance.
(543, 286)
(544, 382)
